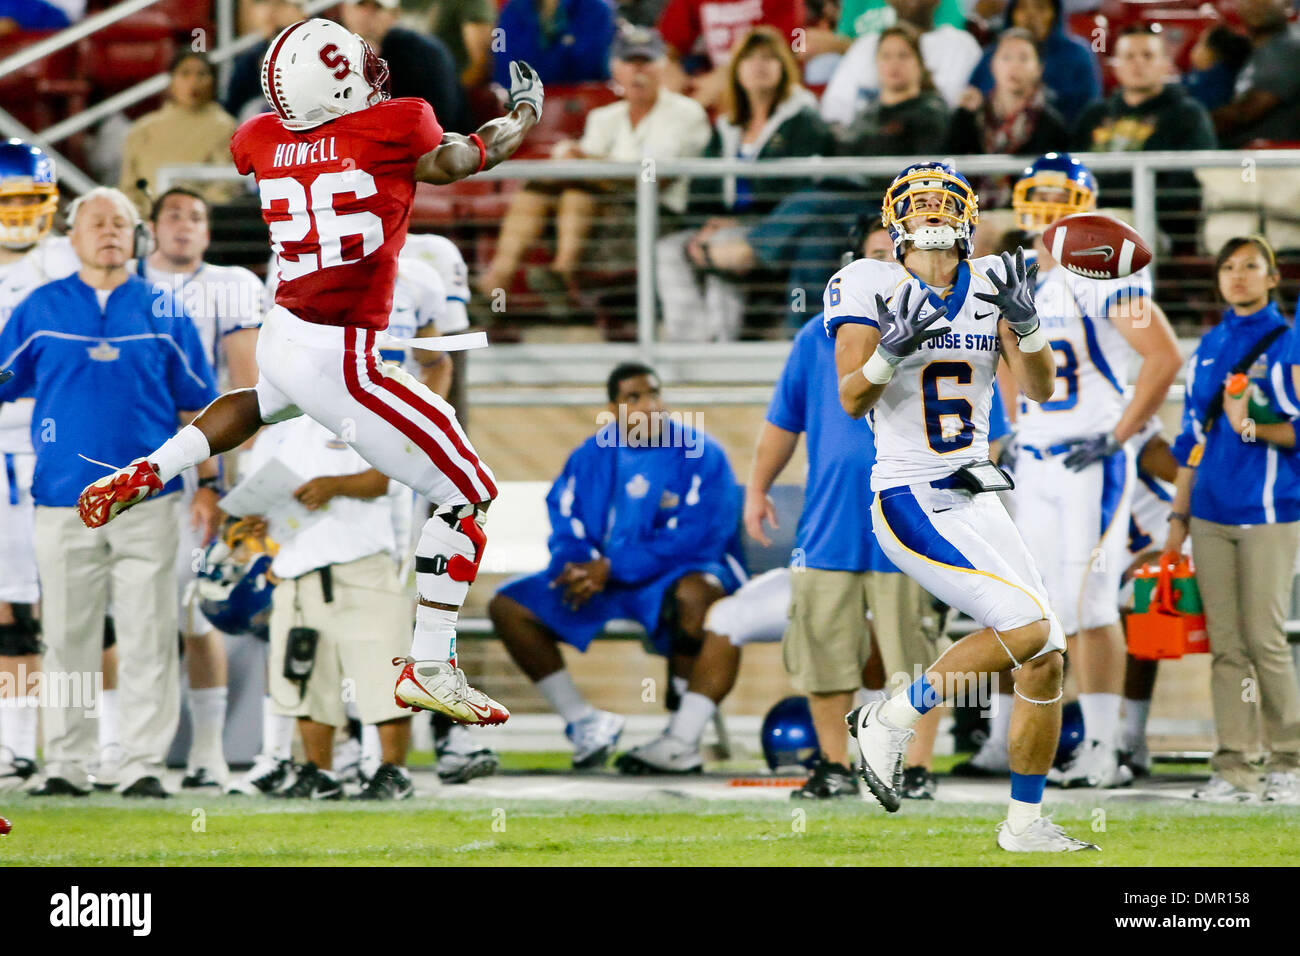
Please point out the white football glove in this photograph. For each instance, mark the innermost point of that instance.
(525, 87)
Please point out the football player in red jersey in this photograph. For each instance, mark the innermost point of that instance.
(336, 165)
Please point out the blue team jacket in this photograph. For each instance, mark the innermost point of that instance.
(1239, 482)
(108, 385)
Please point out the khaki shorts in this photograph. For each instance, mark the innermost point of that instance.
(366, 625)
(828, 640)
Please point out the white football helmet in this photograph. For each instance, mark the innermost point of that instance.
(316, 70)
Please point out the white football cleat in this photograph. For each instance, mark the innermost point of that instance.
(441, 686)
(1093, 764)
(882, 746)
(1041, 836)
(991, 760)
(1280, 787)
(461, 758)
(665, 754)
(594, 738)
(1219, 790)
(268, 775)
(106, 771)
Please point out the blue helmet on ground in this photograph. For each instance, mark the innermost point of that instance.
(788, 736)
(27, 173)
(932, 206)
(1053, 186)
(1071, 732)
(234, 584)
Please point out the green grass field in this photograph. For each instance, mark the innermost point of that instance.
(658, 830)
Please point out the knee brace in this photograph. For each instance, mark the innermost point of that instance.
(448, 555)
(22, 637)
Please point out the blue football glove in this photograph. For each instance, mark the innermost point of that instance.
(903, 331)
(1092, 450)
(1015, 297)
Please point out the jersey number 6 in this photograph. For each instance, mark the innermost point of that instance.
(937, 409)
(362, 229)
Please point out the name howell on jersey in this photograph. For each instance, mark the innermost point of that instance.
(298, 154)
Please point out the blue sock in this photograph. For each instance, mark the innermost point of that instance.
(1028, 787)
(922, 696)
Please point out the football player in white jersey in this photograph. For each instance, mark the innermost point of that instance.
(226, 304)
(928, 385)
(1076, 465)
(29, 257)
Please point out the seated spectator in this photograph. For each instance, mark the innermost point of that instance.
(643, 526)
(191, 127)
(338, 577)
(244, 91)
(948, 53)
(1217, 57)
(649, 122)
(19, 15)
(804, 235)
(418, 65)
(1014, 119)
(465, 28)
(823, 44)
(766, 115)
(1070, 68)
(1266, 100)
(1148, 112)
(711, 28)
(565, 41)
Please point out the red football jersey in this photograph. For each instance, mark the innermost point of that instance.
(338, 201)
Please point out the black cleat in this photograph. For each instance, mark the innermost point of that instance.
(919, 783)
(59, 787)
(147, 787)
(199, 779)
(828, 781)
(312, 784)
(388, 783)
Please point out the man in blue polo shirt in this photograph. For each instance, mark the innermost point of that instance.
(113, 367)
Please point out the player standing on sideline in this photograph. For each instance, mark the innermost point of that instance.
(929, 387)
(336, 165)
(226, 304)
(29, 257)
(1075, 474)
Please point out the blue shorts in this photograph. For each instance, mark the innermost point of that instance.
(643, 604)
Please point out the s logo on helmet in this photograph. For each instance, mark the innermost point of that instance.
(332, 58)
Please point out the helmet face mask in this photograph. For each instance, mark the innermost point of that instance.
(29, 195)
(931, 206)
(1054, 186)
(316, 71)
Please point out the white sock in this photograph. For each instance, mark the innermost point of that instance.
(679, 685)
(1135, 722)
(18, 725)
(692, 716)
(370, 749)
(434, 638)
(564, 696)
(107, 718)
(185, 449)
(899, 712)
(1020, 815)
(1101, 717)
(865, 696)
(1000, 722)
(208, 720)
(277, 733)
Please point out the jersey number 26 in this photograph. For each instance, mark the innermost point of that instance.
(331, 228)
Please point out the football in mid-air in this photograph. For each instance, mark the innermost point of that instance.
(1096, 246)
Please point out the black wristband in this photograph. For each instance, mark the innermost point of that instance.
(213, 482)
(1182, 516)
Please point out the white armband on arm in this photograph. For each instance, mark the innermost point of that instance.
(878, 370)
(1034, 341)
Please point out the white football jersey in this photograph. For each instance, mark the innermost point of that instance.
(219, 300)
(441, 253)
(1092, 358)
(51, 258)
(419, 300)
(933, 417)
(1153, 499)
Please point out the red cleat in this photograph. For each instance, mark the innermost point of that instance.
(102, 501)
(441, 686)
